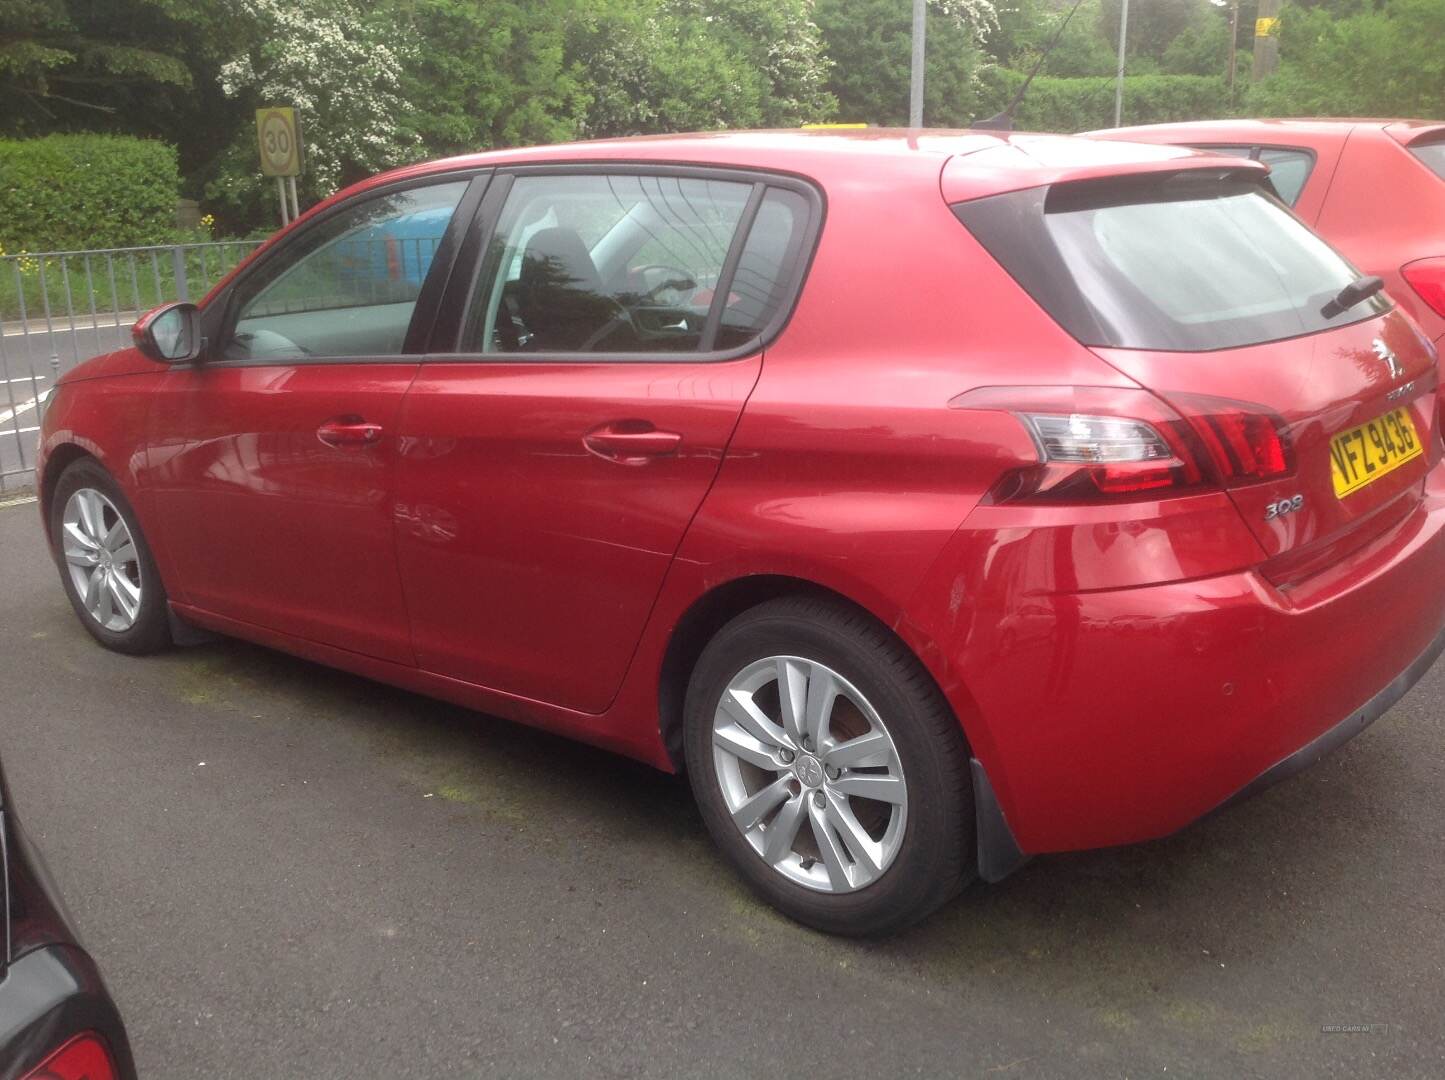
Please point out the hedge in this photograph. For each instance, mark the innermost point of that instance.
(67, 192)
(1082, 104)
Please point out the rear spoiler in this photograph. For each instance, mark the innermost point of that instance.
(1024, 161)
(1410, 132)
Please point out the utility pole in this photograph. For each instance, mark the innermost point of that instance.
(915, 79)
(1119, 78)
(1233, 45)
(1266, 40)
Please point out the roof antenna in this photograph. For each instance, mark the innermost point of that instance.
(1004, 121)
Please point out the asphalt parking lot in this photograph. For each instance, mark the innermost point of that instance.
(286, 871)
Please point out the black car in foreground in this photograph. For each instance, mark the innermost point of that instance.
(57, 1020)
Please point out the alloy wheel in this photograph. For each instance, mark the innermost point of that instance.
(795, 742)
(102, 560)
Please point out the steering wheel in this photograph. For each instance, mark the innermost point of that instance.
(266, 344)
(674, 278)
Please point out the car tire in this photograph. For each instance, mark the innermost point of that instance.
(106, 566)
(916, 854)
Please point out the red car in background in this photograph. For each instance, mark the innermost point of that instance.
(933, 499)
(1375, 189)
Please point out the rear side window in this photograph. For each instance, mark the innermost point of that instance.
(1178, 264)
(1288, 171)
(760, 286)
(1432, 154)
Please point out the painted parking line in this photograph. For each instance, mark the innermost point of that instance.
(24, 406)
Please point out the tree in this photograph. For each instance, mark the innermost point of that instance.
(1152, 25)
(342, 70)
(488, 75)
(779, 40)
(644, 72)
(1081, 49)
(869, 43)
(57, 67)
(1201, 48)
(686, 65)
(1381, 63)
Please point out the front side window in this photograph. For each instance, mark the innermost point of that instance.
(621, 263)
(349, 285)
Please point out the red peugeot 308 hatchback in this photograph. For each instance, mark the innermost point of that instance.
(936, 500)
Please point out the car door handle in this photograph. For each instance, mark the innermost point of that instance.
(631, 442)
(349, 432)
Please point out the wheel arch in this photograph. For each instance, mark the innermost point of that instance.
(718, 606)
(59, 459)
(996, 852)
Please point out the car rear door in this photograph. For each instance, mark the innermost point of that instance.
(583, 387)
(273, 458)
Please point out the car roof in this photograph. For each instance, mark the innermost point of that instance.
(1271, 130)
(982, 162)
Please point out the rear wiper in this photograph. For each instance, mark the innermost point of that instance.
(1356, 291)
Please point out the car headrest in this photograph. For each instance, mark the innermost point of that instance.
(557, 259)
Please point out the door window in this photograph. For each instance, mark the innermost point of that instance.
(350, 283)
(630, 264)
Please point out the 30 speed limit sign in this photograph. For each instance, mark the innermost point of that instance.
(279, 137)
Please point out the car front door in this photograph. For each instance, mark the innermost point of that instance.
(272, 459)
(585, 384)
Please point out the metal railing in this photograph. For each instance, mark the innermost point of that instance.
(58, 308)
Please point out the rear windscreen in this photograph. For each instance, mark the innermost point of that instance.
(1177, 264)
(1433, 155)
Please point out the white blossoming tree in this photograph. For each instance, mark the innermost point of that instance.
(342, 68)
(976, 18)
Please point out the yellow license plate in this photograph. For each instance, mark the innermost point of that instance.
(1364, 454)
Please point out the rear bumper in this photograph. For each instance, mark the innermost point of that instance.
(999, 854)
(1119, 715)
(1332, 738)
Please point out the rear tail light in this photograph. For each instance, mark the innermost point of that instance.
(1101, 444)
(1246, 442)
(1123, 456)
(84, 1057)
(1427, 277)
